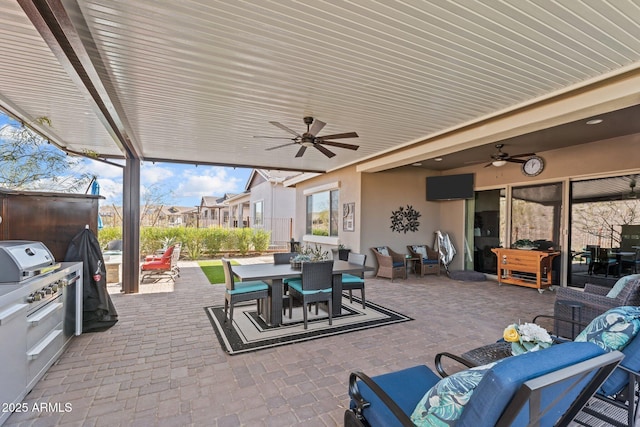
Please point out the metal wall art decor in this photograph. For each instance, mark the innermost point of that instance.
(404, 220)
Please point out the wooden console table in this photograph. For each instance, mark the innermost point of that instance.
(525, 267)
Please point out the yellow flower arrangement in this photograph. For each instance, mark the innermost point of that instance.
(526, 337)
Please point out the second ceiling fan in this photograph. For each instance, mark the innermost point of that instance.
(500, 157)
(311, 139)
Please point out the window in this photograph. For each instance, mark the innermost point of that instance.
(258, 213)
(322, 213)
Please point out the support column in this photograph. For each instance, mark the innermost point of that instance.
(131, 227)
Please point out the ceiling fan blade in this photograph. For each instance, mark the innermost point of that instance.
(316, 127)
(339, 135)
(512, 160)
(524, 155)
(488, 164)
(301, 151)
(273, 137)
(280, 146)
(340, 145)
(324, 150)
(283, 127)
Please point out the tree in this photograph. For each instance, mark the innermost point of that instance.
(29, 162)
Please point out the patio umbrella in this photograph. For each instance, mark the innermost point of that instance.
(98, 312)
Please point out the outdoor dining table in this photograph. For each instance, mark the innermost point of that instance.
(274, 274)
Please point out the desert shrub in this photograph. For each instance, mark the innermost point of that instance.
(213, 239)
(261, 239)
(243, 239)
(108, 234)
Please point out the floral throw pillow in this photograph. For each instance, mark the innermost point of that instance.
(621, 284)
(443, 404)
(383, 250)
(421, 250)
(614, 329)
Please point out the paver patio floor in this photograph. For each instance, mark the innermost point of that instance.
(161, 364)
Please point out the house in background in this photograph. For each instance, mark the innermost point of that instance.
(265, 203)
(214, 211)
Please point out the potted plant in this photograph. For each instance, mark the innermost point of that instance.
(309, 254)
(341, 252)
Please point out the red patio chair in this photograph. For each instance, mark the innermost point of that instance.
(164, 266)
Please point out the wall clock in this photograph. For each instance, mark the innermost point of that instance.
(533, 166)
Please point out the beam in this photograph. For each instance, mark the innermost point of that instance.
(131, 227)
(51, 20)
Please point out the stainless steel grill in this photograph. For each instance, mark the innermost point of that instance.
(22, 259)
(40, 311)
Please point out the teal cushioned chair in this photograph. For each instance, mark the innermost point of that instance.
(241, 291)
(351, 282)
(314, 286)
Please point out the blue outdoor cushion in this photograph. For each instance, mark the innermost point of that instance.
(429, 261)
(297, 285)
(350, 278)
(398, 264)
(619, 378)
(443, 404)
(246, 287)
(499, 385)
(405, 387)
(613, 329)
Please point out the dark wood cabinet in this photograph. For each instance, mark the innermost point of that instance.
(51, 218)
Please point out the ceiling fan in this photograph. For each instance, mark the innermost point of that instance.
(500, 158)
(310, 138)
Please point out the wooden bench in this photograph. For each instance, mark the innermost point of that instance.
(525, 267)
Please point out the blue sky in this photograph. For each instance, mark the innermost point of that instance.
(186, 183)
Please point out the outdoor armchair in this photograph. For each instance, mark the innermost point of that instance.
(615, 402)
(547, 387)
(390, 264)
(428, 259)
(595, 300)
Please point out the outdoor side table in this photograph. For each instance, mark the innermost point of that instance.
(413, 261)
(488, 353)
(576, 315)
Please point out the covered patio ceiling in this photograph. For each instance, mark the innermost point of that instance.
(195, 81)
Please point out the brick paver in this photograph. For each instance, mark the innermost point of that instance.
(161, 364)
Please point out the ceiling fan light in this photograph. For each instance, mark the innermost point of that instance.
(499, 163)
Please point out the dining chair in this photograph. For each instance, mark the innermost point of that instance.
(314, 286)
(351, 282)
(241, 291)
(284, 258)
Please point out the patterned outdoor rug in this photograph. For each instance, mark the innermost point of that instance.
(251, 333)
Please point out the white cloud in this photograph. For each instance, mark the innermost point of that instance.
(151, 174)
(103, 170)
(208, 182)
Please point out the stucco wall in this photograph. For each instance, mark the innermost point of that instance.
(384, 192)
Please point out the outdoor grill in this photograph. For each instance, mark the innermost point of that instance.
(21, 260)
(40, 311)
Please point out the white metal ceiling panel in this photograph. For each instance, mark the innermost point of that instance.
(197, 80)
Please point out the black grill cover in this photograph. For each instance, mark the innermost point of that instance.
(98, 312)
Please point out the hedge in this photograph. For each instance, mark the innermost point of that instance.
(196, 242)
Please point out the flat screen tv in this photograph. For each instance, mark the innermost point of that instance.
(450, 187)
